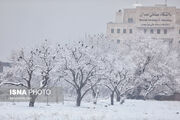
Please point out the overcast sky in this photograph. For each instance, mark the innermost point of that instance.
(25, 23)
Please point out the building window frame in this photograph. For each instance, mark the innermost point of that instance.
(112, 30)
(130, 31)
(130, 20)
(124, 31)
(145, 31)
(158, 31)
(152, 31)
(118, 41)
(118, 30)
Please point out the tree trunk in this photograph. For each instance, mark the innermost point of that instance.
(94, 95)
(112, 98)
(78, 100)
(117, 95)
(94, 99)
(118, 98)
(32, 100)
(146, 95)
(47, 101)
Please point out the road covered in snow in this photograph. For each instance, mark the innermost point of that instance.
(130, 110)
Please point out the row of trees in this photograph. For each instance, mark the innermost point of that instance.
(143, 67)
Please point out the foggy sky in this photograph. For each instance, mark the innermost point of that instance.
(25, 23)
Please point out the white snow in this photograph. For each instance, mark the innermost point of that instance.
(130, 110)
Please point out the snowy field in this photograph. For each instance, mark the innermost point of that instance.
(130, 110)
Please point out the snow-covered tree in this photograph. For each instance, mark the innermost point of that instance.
(80, 69)
(117, 76)
(148, 60)
(46, 57)
(156, 66)
(95, 93)
(31, 70)
(22, 72)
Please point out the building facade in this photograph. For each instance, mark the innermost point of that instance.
(2, 65)
(157, 22)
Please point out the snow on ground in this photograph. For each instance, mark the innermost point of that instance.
(130, 110)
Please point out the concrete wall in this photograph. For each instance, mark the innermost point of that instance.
(178, 16)
(119, 17)
(129, 13)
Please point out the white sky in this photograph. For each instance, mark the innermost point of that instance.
(25, 23)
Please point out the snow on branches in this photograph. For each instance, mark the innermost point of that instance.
(80, 69)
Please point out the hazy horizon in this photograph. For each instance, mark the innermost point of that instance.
(25, 23)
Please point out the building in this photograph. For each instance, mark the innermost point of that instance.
(157, 22)
(2, 65)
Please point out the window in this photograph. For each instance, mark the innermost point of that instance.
(165, 31)
(112, 30)
(145, 30)
(118, 30)
(118, 41)
(179, 31)
(158, 31)
(124, 30)
(130, 31)
(130, 20)
(152, 31)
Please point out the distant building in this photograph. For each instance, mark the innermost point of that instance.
(3, 64)
(157, 22)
